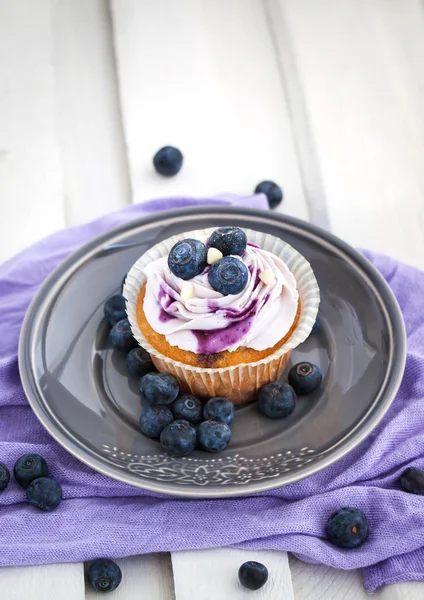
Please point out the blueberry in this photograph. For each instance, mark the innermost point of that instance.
(159, 388)
(305, 377)
(317, 325)
(4, 476)
(213, 436)
(139, 362)
(276, 400)
(412, 481)
(272, 191)
(178, 438)
(114, 309)
(29, 467)
(347, 528)
(121, 336)
(154, 419)
(219, 409)
(228, 276)
(253, 575)
(168, 160)
(189, 408)
(187, 258)
(123, 283)
(104, 575)
(229, 240)
(44, 493)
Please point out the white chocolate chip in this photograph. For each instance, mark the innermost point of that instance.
(187, 292)
(267, 277)
(214, 255)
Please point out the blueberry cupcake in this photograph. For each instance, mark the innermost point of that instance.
(221, 309)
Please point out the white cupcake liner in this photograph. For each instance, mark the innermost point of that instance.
(238, 382)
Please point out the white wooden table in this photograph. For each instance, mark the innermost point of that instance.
(325, 97)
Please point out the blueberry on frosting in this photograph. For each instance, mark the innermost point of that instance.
(229, 240)
(187, 258)
(228, 276)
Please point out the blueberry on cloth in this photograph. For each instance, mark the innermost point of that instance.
(44, 493)
(229, 240)
(178, 438)
(253, 575)
(104, 575)
(272, 191)
(305, 377)
(168, 161)
(412, 481)
(159, 388)
(219, 409)
(139, 362)
(276, 400)
(4, 476)
(228, 276)
(29, 467)
(187, 258)
(121, 336)
(154, 419)
(189, 408)
(213, 436)
(347, 528)
(114, 309)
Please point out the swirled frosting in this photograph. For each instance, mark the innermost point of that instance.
(258, 317)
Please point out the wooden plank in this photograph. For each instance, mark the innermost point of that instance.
(211, 574)
(46, 582)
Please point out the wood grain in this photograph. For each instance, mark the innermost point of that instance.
(46, 582)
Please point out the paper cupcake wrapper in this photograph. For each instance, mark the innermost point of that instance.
(239, 382)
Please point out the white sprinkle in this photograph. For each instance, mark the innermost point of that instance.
(214, 255)
(187, 292)
(267, 277)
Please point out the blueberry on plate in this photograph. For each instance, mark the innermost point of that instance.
(272, 191)
(305, 377)
(347, 528)
(412, 481)
(219, 409)
(4, 476)
(139, 362)
(44, 493)
(154, 419)
(104, 575)
(188, 408)
(187, 258)
(228, 276)
(213, 436)
(114, 309)
(253, 575)
(178, 438)
(276, 400)
(159, 388)
(168, 161)
(229, 240)
(121, 336)
(29, 467)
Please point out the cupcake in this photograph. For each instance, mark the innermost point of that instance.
(221, 309)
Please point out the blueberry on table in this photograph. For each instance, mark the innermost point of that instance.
(121, 337)
(104, 575)
(412, 481)
(347, 528)
(253, 575)
(29, 467)
(272, 191)
(276, 400)
(139, 362)
(228, 276)
(178, 438)
(159, 388)
(4, 476)
(188, 408)
(228, 240)
(168, 161)
(44, 493)
(154, 419)
(187, 258)
(305, 377)
(114, 309)
(213, 436)
(219, 409)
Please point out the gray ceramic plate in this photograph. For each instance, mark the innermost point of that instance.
(78, 386)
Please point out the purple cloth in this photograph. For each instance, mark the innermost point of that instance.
(100, 516)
